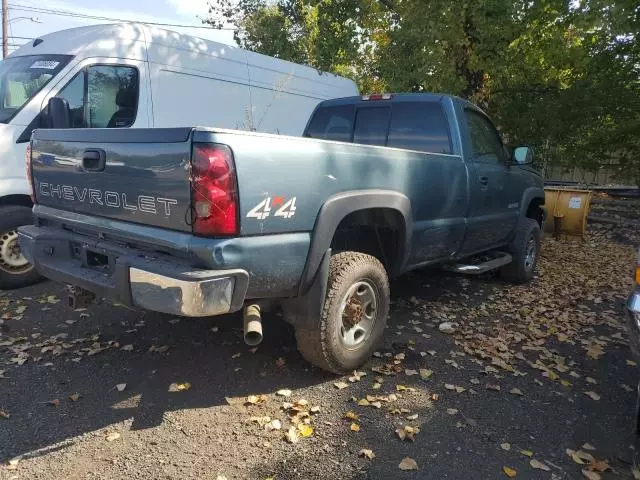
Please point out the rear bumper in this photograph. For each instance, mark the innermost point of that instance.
(138, 278)
(633, 320)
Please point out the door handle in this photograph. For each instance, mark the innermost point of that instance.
(484, 180)
(94, 160)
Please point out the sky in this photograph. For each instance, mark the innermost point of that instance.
(183, 12)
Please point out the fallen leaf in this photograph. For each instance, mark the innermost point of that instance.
(505, 446)
(592, 395)
(526, 453)
(351, 415)
(407, 433)
(55, 402)
(475, 381)
(315, 409)
(588, 446)
(509, 472)
(580, 456)
(355, 427)
(516, 391)
(273, 425)
(158, 349)
(292, 435)
(127, 348)
(285, 392)
(75, 397)
(179, 387)
(539, 465)
(412, 417)
(409, 372)
(460, 389)
(121, 387)
(599, 466)
(363, 402)
(591, 475)
(305, 430)
(356, 376)
(425, 373)
(408, 463)
(631, 363)
(452, 411)
(365, 452)
(449, 386)
(591, 380)
(340, 385)
(4, 415)
(112, 436)
(493, 387)
(255, 399)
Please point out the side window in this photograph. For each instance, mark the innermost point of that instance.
(486, 144)
(112, 96)
(103, 96)
(372, 124)
(419, 126)
(332, 123)
(74, 94)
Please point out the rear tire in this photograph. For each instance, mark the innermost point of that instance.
(354, 315)
(15, 271)
(525, 252)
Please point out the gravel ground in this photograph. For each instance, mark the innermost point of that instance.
(528, 372)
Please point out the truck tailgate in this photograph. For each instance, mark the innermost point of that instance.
(135, 175)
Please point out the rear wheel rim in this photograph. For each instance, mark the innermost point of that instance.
(357, 314)
(11, 258)
(530, 254)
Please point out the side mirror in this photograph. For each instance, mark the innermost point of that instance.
(522, 155)
(58, 113)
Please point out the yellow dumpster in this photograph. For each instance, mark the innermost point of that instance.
(567, 210)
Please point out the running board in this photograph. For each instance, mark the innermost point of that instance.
(479, 268)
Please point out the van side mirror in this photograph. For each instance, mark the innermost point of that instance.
(522, 155)
(58, 113)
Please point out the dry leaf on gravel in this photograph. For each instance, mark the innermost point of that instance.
(291, 435)
(516, 391)
(357, 376)
(591, 475)
(4, 415)
(408, 372)
(305, 430)
(408, 463)
(255, 399)
(592, 395)
(588, 446)
(407, 433)
(580, 456)
(367, 453)
(285, 392)
(509, 472)
(340, 385)
(526, 453)
(54, 403)
(273, 425)
(425, 373)
(112, 436)
(75, 397)
(158, 349)
(351, 415)
(505, 446)
(412, 417)
(127, 348)
(354, 427)
(539, 465)
(599, 466)
(493, 387)
(179, 387)
(452, 411)
(121, 387)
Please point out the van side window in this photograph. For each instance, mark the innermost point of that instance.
(372, 124)
(485, 142)
(332, 123)
(419, 126)
(103, 96)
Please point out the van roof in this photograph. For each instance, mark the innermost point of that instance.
(128, 40)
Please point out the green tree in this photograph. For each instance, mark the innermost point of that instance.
(561, 75)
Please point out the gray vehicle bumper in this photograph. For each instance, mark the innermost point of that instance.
(153, 281)
(633, 320)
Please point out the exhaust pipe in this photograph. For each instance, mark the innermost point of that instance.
(252, 325)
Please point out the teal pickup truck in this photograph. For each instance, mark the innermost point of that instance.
(206, 221)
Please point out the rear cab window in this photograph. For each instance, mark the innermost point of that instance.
(410, 125)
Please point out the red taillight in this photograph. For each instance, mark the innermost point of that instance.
(213, 190)
(27, 162)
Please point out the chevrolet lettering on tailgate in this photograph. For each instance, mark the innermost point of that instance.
(144, 203)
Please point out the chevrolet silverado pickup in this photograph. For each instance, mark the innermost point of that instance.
(207, 221)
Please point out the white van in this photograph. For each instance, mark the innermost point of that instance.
(132, 75)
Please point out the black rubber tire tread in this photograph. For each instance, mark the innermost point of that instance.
(515, 272)
(12, 217)
(316, 345)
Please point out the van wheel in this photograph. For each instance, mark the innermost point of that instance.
(15, 270)
(354, 315)
(525, 251)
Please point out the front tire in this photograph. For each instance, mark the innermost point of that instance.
(15, 271)
(525, 252)
(354, 315)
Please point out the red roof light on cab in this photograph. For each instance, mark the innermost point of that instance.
(377, 96)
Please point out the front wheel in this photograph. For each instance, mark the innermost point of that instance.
(15, 270)
(525, 251)
(354, 316)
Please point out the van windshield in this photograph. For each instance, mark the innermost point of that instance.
(23, 77)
